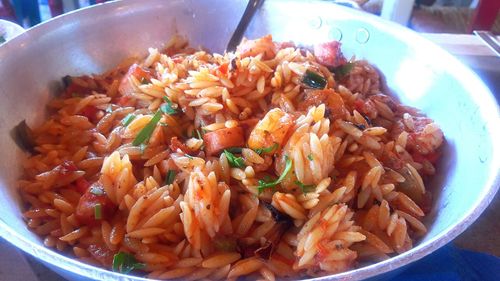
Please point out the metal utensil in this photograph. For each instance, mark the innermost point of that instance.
(250, 10)
(489, 39)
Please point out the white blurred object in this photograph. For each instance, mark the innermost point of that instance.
(397, 10)
(9, 30)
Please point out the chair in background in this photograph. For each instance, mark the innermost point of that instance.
(484, 15)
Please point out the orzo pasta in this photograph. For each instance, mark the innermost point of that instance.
(274, 161)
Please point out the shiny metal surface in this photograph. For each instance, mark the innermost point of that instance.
(489, 39)
(246, 18)
(418, 72)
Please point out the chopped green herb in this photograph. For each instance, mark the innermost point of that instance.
(236, 162)
(263, 185)
(305, 188)
(188, 156)
(313, 80)
(169, 179)
(235, 150)
(96, 190)
(109, 109)
(342, 70)
(128, 119)
(98, 211)
(310, 157)
(267, 149)
(199, 133)
(125, 263)
(163, 124)
(146, 132)
(168, 107)
(144, 81)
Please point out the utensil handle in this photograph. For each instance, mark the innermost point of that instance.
(250, 10)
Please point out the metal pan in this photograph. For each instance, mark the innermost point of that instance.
(421, 74)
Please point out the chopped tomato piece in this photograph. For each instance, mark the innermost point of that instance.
(138, 72)
(90, 112)
(329, 54)
(86, 208)
(82, 185)
(216, 141)
(223, 68)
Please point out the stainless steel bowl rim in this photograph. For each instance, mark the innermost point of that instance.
(419, 251)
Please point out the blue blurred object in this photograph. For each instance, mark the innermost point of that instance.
(27, 12)
(453, 264)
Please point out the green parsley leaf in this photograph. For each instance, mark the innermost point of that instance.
(267, 149)
(128, 119)
(98, 211)
(310, 157)
(342, 70)
(305, 188)
(146, 132)
(236, 162)
(198, 133)
(168, 107)
(125, 263)
(169, 179)
(313, 80)
(188, 156)
(265, 185)
(144, 81)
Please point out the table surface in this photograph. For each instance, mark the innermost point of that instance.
(481, 236)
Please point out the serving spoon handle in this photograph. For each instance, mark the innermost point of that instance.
(250, 10)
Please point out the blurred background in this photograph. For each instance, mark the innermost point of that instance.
(435, 16)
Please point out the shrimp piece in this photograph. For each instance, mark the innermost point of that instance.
(252, 48)
(271, 130)
(332, 100)
(140, 73)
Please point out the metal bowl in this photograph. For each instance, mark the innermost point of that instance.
(418, 72)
